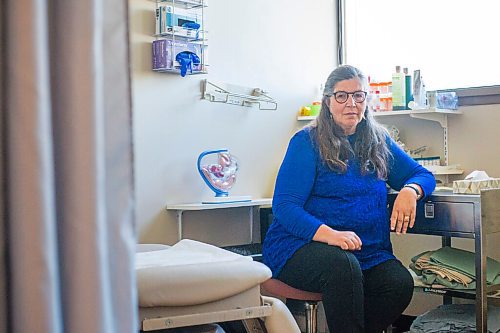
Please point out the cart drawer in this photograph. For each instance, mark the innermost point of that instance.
(436, 217)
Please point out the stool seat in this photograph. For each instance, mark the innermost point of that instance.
(277, 288)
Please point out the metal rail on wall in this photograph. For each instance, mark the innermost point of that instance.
(237, 95)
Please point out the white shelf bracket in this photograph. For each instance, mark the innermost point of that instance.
(441, 118)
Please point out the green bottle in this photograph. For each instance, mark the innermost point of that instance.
(408, 84)
(398, 90)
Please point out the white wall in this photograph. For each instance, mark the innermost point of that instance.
(285, 47)
(475, 140)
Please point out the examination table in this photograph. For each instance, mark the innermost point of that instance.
(193, 283)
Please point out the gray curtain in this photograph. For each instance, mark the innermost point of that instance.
(66, 234)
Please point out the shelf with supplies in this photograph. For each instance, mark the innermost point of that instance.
(431, 114)
(181, 39)
(493, 296)
(444, 169)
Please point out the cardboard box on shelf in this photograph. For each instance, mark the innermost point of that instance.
(475, 186)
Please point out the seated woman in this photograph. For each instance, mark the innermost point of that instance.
(331, 228)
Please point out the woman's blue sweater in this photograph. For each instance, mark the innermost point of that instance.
(308, 194)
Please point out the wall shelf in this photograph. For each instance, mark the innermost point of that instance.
(306, 118)
(432, 114)
(444, 169)
(198, 206)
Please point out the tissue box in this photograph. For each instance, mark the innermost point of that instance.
(475, 186)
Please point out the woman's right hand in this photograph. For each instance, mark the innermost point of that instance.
(346, 240)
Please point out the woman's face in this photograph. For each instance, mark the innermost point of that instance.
(347, 114)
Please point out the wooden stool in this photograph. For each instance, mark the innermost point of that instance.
(277, 288)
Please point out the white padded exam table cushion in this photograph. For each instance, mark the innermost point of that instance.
(191, 272)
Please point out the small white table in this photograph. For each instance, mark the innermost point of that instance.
(181, 208)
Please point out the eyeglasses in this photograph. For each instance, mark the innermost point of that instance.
(342, 96)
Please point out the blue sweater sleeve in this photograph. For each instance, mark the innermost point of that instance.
(404, 170)
(293, 186)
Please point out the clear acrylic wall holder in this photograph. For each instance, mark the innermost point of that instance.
(171, 38)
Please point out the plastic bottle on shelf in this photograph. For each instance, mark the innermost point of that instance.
(383, 103)
(386, 103)
(408, 86)
(384, 88)
(377, 102)
(419, 98)
(389, 103)
(373, 87)
(398, 90)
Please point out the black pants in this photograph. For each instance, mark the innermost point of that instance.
(354, 300)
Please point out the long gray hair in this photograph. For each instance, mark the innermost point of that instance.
(334, 148)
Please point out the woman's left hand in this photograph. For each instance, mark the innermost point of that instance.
(403, 212)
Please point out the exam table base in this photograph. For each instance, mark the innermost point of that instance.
(244, 306)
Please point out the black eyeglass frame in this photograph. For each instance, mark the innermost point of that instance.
(347, 96)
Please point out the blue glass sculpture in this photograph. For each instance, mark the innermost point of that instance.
(218, 169)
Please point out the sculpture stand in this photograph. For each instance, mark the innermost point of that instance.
(228, 199)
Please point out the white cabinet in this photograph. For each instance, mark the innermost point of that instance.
(470, 216)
